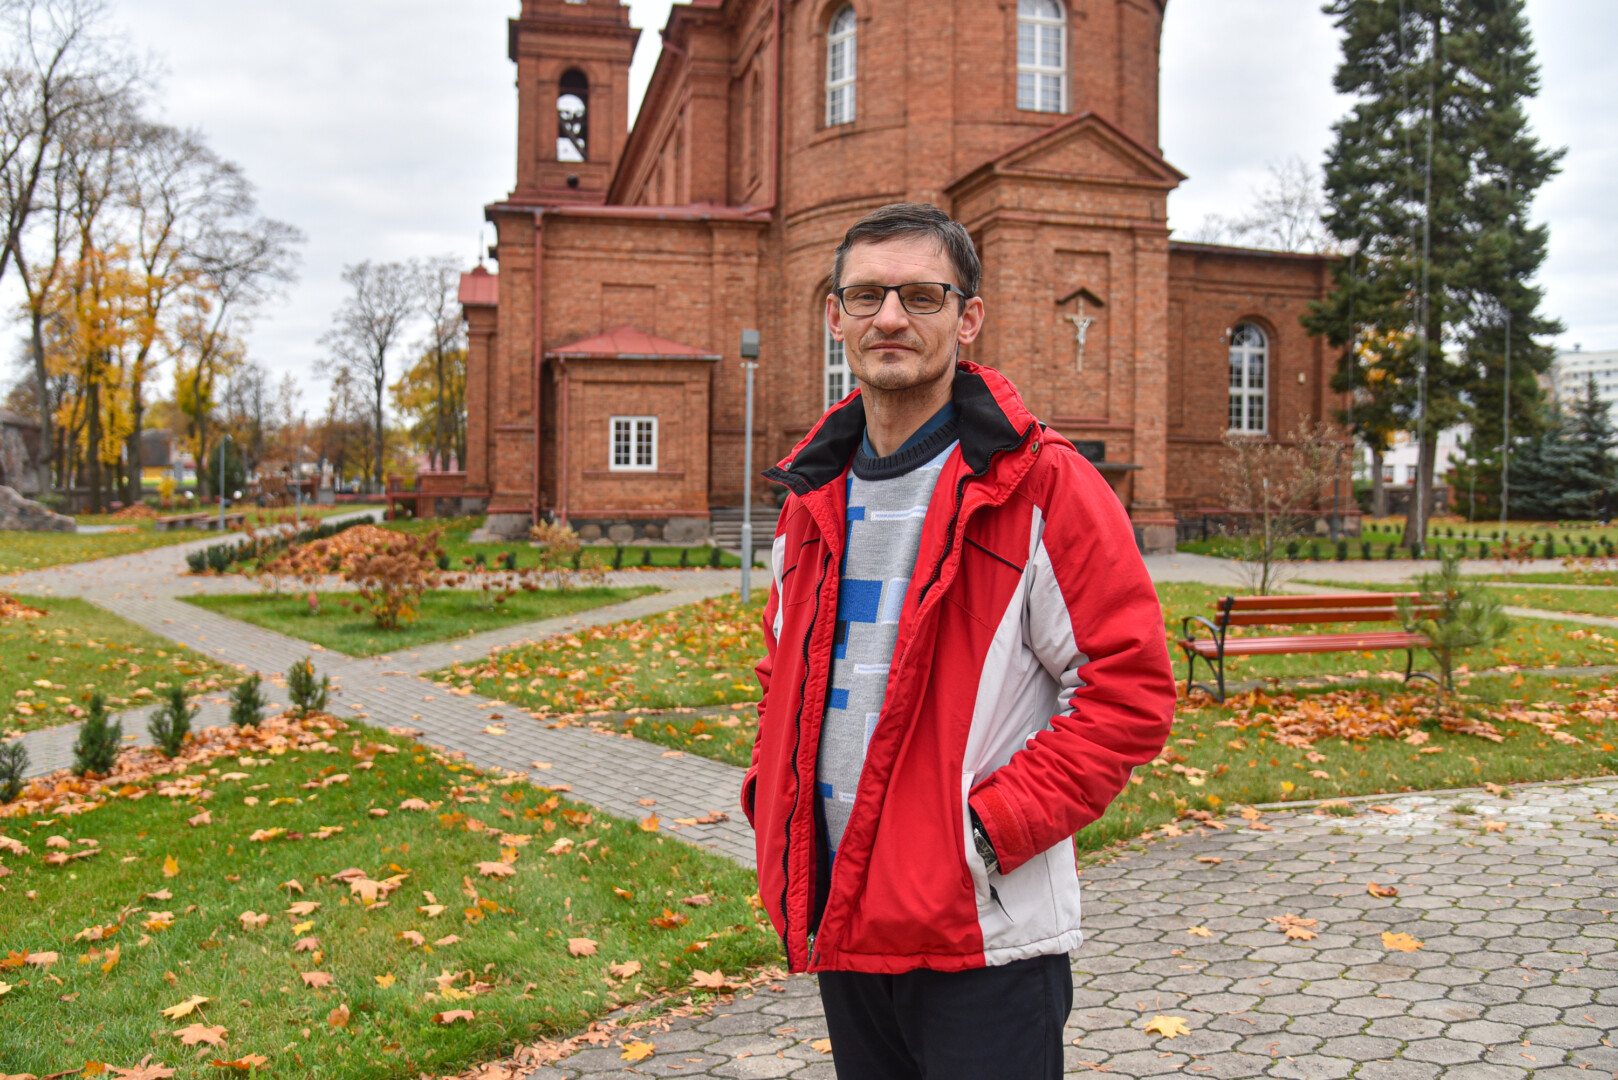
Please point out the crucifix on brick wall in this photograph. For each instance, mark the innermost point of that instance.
(1081, 322)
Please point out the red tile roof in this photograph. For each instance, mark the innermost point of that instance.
(479, 287)
(629, 343)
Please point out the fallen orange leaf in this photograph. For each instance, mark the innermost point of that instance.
(244, 1064)
(1399, 942)
(649, 823)
(145, 1070)
(625, 970)
(315, 979)
(581, 946)
(452, 1015)
(192, 1034)
(822, 1045)
(171, 866)
(306, 944)
(1169, 1027)
(448, 939)
(252, 920)
(1378, 889)
(338, 1017)
(496, 869)
(699, 900)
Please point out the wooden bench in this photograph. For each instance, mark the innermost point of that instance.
(1295, 611)
(232, 519)
(178, 521)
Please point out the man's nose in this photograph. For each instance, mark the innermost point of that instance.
(891, 316)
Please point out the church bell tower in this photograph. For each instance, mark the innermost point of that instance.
(572, 60)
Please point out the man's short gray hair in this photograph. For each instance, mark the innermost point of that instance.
(897, 220)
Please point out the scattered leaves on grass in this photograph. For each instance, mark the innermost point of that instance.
(144, 1071)
(1399, 942)
(1169, 1027)
(338, 1017)
(581, 946)
(448, 1017)
(384, 981)
(252, 920)
(415, 804)
(171, 866)
(699, 900)
(668, 920)
(496, 869)
(628, 969)
(638, 1051)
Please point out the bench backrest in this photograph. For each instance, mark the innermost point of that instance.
(1295, 610)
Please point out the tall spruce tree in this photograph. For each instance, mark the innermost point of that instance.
(1428, 182)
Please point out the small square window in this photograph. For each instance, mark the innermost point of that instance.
(634, 444)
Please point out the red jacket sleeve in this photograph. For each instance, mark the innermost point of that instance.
(762, 669)
(1094, 621)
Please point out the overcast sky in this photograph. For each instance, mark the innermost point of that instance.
(382, 128)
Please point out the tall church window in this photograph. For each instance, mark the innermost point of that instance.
(1041, 56)
(840, 68)
(1249, 356)
(572, 116)
(839, 380)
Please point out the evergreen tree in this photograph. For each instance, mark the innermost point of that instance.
(1428, 183)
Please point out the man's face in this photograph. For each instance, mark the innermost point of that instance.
(894, 350)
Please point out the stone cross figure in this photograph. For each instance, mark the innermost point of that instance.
(1081, 322)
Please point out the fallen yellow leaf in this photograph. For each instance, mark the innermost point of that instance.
(1399, 942)
(649, 823)
(1169, 1027)
(638, 1051)
(822, 1045)
(186, 1007)
(113, 955)
(1199, 931)
(384, 981)
(171, 866)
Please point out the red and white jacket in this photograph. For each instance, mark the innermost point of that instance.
(1030, 676)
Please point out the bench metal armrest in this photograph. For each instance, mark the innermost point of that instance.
(1185, 628)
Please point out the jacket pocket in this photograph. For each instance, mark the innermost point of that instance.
(993, 918)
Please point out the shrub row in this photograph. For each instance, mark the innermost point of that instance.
(260, 547)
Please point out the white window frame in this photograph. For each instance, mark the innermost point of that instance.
(1035, 76)
(624, 432)
(1246, 391)
(837, 380)
(842, 41)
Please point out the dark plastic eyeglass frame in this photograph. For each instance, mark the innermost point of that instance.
(886, 289)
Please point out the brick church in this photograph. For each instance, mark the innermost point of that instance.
(604, 381)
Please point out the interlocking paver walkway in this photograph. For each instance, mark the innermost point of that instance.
(1517, 975)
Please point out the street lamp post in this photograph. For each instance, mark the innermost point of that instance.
(222, 443)
(749, 364)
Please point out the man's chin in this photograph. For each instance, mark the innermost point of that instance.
(905, 372)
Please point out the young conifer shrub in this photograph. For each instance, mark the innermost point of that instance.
(13, 766)
(307, 695)
(171, 723)
(247, 702)
(96, 750)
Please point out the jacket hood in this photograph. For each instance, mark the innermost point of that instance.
(993, 418)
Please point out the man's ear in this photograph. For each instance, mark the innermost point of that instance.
(971, 321)
(834, 317)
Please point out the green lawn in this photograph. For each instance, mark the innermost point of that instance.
(445, 614)
(698, 655)
(34, 551)
(450, 937)
(1230, 755)
(454, 533)
(1604, 578)
(78, 649)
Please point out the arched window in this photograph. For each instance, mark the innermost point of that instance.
(839, 380)
(840, 68)
(1249, 356)
(572, 116)
(1041, 56)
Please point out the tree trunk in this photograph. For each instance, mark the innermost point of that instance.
(438, 438)
(1420, 510)
(92, 409)
(1379, 493)
(380, 483)
(47, 440)
(202, 436)
(134, 477)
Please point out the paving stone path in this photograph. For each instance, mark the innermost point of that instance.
(1517, 975)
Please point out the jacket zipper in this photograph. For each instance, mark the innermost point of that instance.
(797, 777)
(960, 490)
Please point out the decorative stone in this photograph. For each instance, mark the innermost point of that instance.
(19, 514)
(621, 533)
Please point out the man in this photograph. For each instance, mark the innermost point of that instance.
(965, 658)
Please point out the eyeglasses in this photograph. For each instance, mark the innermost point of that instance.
(918, 297)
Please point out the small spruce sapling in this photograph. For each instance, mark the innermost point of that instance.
(171, 723)
(13, 766)
(308, 696)
(96, 750)
(247, 702)
(1463, 615)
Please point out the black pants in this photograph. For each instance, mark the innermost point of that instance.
(997, 1023)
